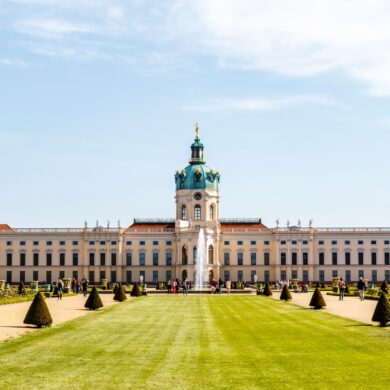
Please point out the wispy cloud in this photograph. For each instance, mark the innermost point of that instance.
(261, 104)
(12, 62)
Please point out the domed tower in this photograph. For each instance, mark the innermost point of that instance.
(197, 207)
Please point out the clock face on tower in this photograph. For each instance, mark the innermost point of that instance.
(197, 196)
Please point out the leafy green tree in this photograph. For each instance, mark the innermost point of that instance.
(93, 302)
(317, 300)
(285, 295)
(382, 310)
(38, 314)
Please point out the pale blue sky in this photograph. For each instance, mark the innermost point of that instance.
(98, 101)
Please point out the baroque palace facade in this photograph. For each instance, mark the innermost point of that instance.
(160, 249)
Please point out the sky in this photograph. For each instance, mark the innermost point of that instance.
(98, 101)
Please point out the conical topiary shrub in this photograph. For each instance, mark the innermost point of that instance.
(317, 300)
(382, 310)
(93, 302)
(267, 290)
(136, 291)
(384, 287)
(285, 295)
(21, 289)
(120, 294)
(38, 314)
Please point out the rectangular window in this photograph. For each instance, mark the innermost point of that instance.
(75, 259)
(294, 259)
(102, 242)
(35, 243)
(142, 259)
(253, 258)
(266, 276)
(239, 243)
(253, 274)
(102, 275)
(9, 259)
(283, 258)
(168, 243)
(35, 275)
(226, 275)
(294, 242)
(373, 258)
(91, 276)
(226, 243)
(155, 277)
(61, 274)
(9, 243)
(387, 242)
(334, 258)
(239, 276)
(294, 274)
(374, 276)
(253, 242)
(387, 275)
(360, 258)
(334, 242)
(387, 258)
(321, 258)
(240, 258)
(128, 243)
(168, 259)
(360, 242)
(22, 259)
(266, 242)
(91, 259)
(305, 258)
(321, 276)
(102, 259)
(113, 243)
(75, 243)
(62, 243)
(35, 259)
(334, 273)
(283, 242)
(128, 277)
(226, 258)
(283, 275)
(113, 276)
(321, 242)
(22, 276)
(373, 242)
(62, 259)
(348, 276)
(305, 242)
(142, 242)
(347, 242)
(155, 243)
(347, 258)
(113, 259)
(92, 243)
(48, 277)
(266, 258)
(9, 277)
(75, 275)
(49, 243)
(155, 259)
(22, 243)
(49, 259)
(305, 276)
(361, 273)
(129, 259)
(168, 275)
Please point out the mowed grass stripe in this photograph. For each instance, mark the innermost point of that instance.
(198, 342)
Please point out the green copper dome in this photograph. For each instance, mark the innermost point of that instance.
(197, 175)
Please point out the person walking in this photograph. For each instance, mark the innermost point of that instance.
(60, 287)
(228, 286)
(74, 285)
(361, 288)
(84, 286)
(341, 286)
(169, 286)
(185, 287)
(174, 287)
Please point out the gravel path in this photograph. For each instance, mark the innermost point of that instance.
(12, 315)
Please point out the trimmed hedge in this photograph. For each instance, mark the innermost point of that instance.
(384, 287)
(285, 295)
(93, 302)
(317, 300)
(120, 294)
(136, 291)
(382, 311)
(38, 314)
(267, 290)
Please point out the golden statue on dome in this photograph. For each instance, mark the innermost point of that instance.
(196, 130)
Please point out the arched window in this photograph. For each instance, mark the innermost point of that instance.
(184, 275)
(184, 212)
(197, 212)
(194, 252)
(211, 254)
(184, 256)
(212, 212)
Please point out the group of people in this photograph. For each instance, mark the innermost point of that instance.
(361, 286)
(77, 287)
(174, 285)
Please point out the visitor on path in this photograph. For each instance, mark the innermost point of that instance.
(169, 286)
(185, 287)
(60, 287)
(84, 286)
(174, 285)
(228, 286)
(74, 285)
(361, 288)
(220, 285)
(341, 286)
(177, 285)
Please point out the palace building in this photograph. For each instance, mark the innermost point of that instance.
(160, 249)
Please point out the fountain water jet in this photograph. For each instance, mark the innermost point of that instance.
(201, 269)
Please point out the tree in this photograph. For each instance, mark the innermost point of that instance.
(384, 287)
(38, 314)
(21, 289)
(317, 300)
(120, 294)
(285, 295)
(136, 291)
(267, 290)
(93, 302)
(382, 310)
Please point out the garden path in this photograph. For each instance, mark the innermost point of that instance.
(12, 315)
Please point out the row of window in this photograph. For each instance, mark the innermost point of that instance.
(197, 212)
(75, 243)
(306, 242)
(347, 258)
(240, 242)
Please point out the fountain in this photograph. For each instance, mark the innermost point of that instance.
(201, 269)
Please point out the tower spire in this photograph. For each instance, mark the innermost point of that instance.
(197, 148)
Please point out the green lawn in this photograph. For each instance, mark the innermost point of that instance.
(200, 342)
